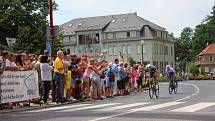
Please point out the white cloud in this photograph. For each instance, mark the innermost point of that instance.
(173, 15)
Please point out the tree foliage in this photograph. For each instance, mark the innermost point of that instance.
(183, 47)
(204, 34)
(26, 21)
(192, 42)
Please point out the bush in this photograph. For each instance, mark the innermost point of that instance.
(163, 79)
(179, 78)
(200, 77)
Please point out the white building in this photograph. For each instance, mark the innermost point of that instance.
(128, 34)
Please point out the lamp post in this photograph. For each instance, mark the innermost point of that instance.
(51, 28)
(142, 48)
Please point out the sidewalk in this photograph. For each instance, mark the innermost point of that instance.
(36, 106)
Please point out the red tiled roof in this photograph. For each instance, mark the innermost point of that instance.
(208, 50)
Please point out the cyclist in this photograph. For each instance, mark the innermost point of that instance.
(170, 72)
(152, 70)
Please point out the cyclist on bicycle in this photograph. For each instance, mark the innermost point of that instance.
(170, 72)
(152, 70)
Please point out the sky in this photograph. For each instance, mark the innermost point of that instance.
(174, 15)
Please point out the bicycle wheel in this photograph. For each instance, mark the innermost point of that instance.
(170, 87)
(156, 86)
(175, 87)
(151, 92)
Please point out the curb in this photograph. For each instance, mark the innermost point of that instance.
(4, 111)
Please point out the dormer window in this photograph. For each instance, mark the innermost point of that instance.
(113, 21)
(124, 20)
(79, 24)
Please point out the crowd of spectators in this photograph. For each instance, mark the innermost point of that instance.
(69, 77)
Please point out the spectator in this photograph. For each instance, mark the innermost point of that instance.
(58, 76)
(68, 83)
(140, 79)
(46, 76)
(10, 64)
(127, 71)
(121, 81)
(110, 78)
(115, 70)
(133, 78)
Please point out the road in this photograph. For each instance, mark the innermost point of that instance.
(195, 101)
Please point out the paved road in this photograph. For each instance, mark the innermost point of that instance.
(195, 101)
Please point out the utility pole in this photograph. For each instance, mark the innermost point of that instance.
(51, 28)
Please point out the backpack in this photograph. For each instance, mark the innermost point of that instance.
(112, 76)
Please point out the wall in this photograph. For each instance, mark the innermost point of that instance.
(160, 57)
(133, 49)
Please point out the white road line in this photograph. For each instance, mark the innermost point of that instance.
(195, 107)
(196, 87)
(107, 117)
(182, 99)
(90, 107)
(59, 108)
(123, 106)
(153, 107)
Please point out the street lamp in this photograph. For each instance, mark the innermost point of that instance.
(142, 48)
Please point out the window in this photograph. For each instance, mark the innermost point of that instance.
(114, 50)
(165, 50)
(139, 49)
(129, 50)
(124, 49)
(137, 33)
(89, 39)
(171, 51)
(161, 49)
(68, 51)
(110, 50)
(155, 48)
(210, 59)
(128, 34)
(161, 66)
(114, 35)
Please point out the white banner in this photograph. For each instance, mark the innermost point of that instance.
(19, 86)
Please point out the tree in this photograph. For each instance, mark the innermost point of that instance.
(183, 47)
(26, 21)
(204, 34)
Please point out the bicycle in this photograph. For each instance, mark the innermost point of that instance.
(153, 87)
(173, 85)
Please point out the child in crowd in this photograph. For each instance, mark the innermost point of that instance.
(46, 76)
(68, 83)
(133, 78)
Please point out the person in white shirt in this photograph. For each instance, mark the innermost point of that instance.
(10, 63)
(46, 76)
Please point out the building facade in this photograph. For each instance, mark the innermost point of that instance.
(127, 35)
(206, 60)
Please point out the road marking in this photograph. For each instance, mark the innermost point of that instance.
(182, 99)
(195, 107)
(196, 87)
(90, 107)
(107, 117)
(123, 106)
(59, 108)
(153, 107)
